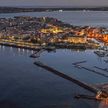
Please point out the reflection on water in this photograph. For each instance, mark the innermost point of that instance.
(104, 104)
(29, 86)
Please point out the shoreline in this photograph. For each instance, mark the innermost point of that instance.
(5, 9)
(49, 48)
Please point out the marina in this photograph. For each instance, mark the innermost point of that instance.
(100, 93)
(103, 69)
(102, 51)
(91, 70)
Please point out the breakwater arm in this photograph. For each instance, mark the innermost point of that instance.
(61, 74)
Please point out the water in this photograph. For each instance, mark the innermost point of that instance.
(24, 85)
(90, 18)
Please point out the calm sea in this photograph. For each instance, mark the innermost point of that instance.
(24, 85)
(91, 18)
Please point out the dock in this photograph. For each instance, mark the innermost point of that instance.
(37, 53)
(28, 46)
(103, 69)
(100, 94)
(77, 63)
(80, 96)
(91, 70)
(100, 53)
(96, 72)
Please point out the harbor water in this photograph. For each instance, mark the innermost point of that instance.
(24, 85)
(87, 18)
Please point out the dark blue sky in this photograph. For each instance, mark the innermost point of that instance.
(54, 2)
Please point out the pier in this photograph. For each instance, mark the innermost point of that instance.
(61, 74)
(77, 63)
(103, 69)
(80, 96)
(24, 45)
(91, 70)
(100, 93)
(37, 53)
(100, 53)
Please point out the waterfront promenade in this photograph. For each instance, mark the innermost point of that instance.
(20, 44)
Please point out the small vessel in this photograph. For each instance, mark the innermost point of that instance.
(60, 10)
(100, 53)
(106, 61)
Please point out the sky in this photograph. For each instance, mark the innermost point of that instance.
(54, 3)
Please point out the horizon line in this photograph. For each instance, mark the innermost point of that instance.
(61, 6)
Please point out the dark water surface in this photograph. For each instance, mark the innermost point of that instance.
(24, 85)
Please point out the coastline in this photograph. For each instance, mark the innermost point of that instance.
(18, 9)
(38, 47)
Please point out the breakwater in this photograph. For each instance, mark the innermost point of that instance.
(72, 79)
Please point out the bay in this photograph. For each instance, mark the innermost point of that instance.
(24, 85)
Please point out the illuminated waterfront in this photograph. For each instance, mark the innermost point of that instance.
(25, 85)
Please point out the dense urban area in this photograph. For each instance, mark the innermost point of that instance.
(45, 31)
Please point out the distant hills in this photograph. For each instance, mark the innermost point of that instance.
(41, 9)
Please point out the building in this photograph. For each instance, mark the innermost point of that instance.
(76, 39)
